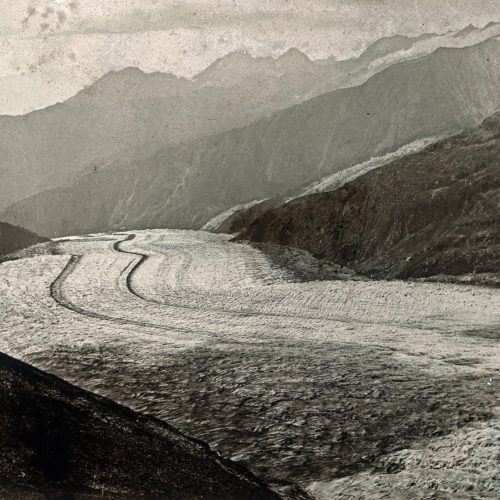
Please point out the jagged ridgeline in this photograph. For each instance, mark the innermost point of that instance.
(132, 114)
(183, 185)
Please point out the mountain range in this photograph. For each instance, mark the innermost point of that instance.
(130, 114)
(183, 185)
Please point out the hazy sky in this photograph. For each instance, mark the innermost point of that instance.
(49, 49)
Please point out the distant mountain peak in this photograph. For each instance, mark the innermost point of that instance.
(235, 55)
(390, 44)
(465, 31)
(236, 61)
(133, 72)
(130, 82)
(230, 62)
(294, 54)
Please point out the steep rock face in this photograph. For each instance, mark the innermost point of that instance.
(14, 238)
(57, 439)
(184, 186)
(431, 213)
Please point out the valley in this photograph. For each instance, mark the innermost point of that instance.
(308, 382)
(250, 250)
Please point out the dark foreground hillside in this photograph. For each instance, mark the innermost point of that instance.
(433, 213)
(14, 238)
(57, 439)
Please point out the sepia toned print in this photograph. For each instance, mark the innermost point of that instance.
(249, 249)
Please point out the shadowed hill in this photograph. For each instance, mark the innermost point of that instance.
(436, 212)
(14, 238)
(184, 186)
(57, 439)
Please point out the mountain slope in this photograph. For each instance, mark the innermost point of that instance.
(132, 114)
(184, 186)
(14, 238)
(58, 439)
(436, 212)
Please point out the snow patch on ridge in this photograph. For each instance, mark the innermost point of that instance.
(351, 173)
(216, 221)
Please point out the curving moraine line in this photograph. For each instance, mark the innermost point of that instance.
(142, 258)
(57, 293)
(237, 313)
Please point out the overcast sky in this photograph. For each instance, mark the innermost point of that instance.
(49, 49)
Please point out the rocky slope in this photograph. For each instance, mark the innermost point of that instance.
(432, 213)
(131, 114)
(57, 439)
(186, 185)
(239, 217)
(14, 238)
